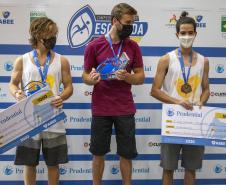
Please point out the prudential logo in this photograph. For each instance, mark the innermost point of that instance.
(8, 66)
(63, 170)
(219, 68)
(170, 112)
(218, 168)
(115, 169)
(8, 170)
(85, 25)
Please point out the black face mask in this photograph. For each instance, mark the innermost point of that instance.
(126, 31)
(49, 43)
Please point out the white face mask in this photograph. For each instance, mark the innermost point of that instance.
(186, 41)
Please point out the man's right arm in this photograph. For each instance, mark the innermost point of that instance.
(158, 82)
(91, 77)
(16, 78)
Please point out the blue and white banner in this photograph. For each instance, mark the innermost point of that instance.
(79, 22)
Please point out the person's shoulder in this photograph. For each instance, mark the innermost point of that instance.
(64, 60)
(205, 59)
(97, 41)
(19, 59)
(198, 54)
(165, 58)
(18, 63)
(168, 55)
(25, 55)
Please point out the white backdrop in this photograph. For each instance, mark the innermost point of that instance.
(155, 33)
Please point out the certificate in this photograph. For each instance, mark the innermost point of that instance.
(205, 126)
(27, 118)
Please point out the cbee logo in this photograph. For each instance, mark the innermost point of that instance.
(198, 18)
(219, 68)
(199, 21)
(6, 20)
(6, 14)
(84, 26)
(8, 170)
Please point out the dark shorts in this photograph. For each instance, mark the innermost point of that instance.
(101, 131)
(191, 156)
(54, 149)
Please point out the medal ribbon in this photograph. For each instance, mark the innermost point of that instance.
(112, 49)
(43, 73)
(183, 67)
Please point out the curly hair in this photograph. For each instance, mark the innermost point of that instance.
(39, 28)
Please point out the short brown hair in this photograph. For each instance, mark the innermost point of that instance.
(121, 9)
(39, 28)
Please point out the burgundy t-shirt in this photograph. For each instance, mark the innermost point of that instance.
(112, 97)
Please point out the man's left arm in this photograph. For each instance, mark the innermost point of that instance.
(137, 76)
(67, 82)
(205, 83)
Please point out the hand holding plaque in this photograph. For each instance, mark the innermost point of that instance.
(108, 68)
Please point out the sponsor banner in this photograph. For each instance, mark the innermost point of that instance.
(150, 66)
(5, 95)
(11, 19)
(217, 67)
(84, 21)
(82, 170)
(78, 144)
(78, 118)
(203, 16)
(83, 94)
(81, 118)
(217, 94)
(141, 94)
(76, 65)
(87, 21)
(149, 119)
(215, 150)
(6, 64)
(146, 144)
